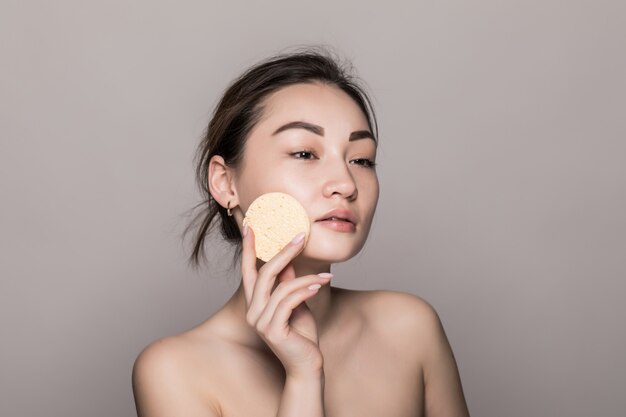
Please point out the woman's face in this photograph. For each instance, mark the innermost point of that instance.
(322, 161)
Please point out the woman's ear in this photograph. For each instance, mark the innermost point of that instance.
(221, 182)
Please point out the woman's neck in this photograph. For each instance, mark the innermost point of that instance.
(320, 304)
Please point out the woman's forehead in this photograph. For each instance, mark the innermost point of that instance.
(312, 102)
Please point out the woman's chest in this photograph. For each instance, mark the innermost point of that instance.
(373, 385)
(364, 379)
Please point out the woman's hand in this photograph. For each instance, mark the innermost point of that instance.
(281, 317)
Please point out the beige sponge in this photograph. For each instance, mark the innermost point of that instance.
(276, 218)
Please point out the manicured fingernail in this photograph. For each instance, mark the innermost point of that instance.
(245, 230)
(315, 287)
(299, 237)
(325, 275)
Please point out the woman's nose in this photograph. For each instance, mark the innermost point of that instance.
(339, 180)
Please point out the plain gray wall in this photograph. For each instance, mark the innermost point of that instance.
(502, 168)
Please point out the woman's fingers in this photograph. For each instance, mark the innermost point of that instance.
(266, 277)
(294, 341)
(248, 264)
(287, 289)
(287, 310)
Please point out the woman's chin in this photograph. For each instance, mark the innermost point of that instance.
(326, 255)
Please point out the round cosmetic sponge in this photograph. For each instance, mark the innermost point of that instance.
(276, 218)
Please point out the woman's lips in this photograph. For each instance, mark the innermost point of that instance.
(338, 225)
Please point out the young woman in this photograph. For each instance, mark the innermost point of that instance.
(288, 343)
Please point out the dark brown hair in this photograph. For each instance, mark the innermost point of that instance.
(240, 109)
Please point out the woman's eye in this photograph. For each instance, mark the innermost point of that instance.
(307, 155)
(368, 163)
(304, 154)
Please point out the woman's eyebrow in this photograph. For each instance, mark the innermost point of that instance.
(361, 134)
(318, 130)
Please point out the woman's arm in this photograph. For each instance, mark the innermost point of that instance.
(416, 329)
(303, 397)
(443, 391)
(284, 321)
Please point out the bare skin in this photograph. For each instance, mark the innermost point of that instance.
(275, 346)
(374, 363)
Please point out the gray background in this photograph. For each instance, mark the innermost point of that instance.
(501, 163)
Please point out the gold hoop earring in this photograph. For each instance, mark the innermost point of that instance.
(228, 210)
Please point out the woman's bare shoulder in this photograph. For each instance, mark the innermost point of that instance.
(177, 349)
(382, 305)
(407, 318)
(183, 348)
(417, 332)
(175, 371)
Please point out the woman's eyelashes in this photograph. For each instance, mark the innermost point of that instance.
(368, 163)
(306, 155)
(305, 152)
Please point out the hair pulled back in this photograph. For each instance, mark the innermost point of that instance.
(239, 110)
